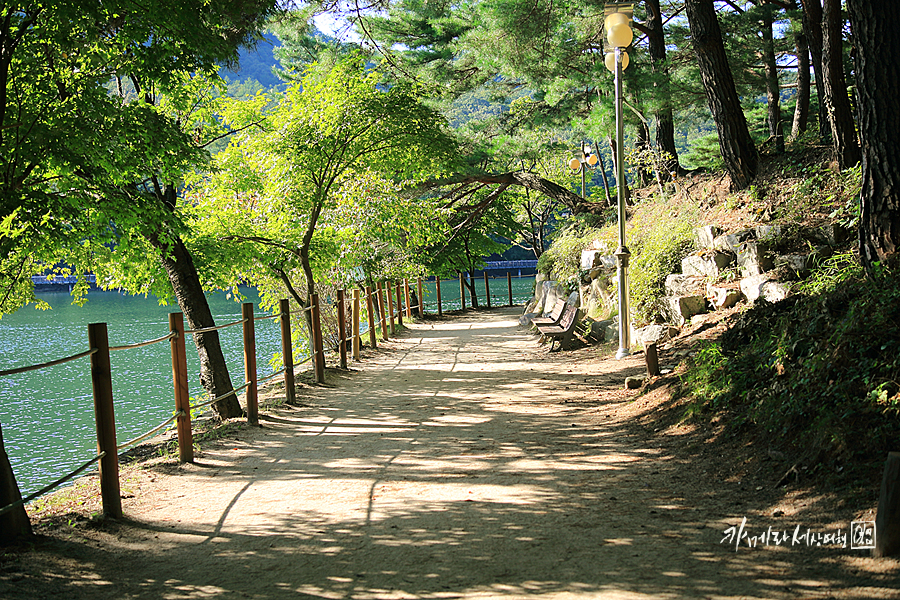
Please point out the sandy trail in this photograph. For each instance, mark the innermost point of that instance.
(460, 461)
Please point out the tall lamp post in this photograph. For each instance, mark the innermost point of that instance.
(619, 35)
(587, 158)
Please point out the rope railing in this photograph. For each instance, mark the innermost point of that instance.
(268, 317)
(150, 433)
(216, 327)
(51, 363)
(272, 376)
(52, 486)
(142, 344)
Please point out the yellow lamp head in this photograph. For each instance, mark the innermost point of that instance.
(592, 159)
(574, 164)
(610, 61)
(619, 36)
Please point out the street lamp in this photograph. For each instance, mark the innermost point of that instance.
(587, 158)
(619, 35)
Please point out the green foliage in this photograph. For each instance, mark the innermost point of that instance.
(821, 366)
(657, 252)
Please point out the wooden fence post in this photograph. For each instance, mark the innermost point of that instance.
(390, 298)
(406, 296)
(509, 285)
(887, 519)
(342, 329)
(437, 280)
(370, 313)
(384, 330)
(356, 340)
(104, 415)
(487, 289)
(182, 390)
(318, 344)
(250, 375)
(421, 297)
(287, 351)
(462, 292)
(399, 303)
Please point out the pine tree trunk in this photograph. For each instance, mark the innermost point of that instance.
(837, 102)
(773, 92)
(665, 121)
(643, 144)
(738, 150)
(801, 108)
(812, 28)
(876, 31)
(14, 525)
(185, 280)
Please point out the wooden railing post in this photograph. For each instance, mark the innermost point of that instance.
(370, 313)
(462, 292)
(406, 296)
(487, 289)
(421, 297)
(384, 330)
(399, 303)
(342, 328)
(356, 340)
(250, 374)
(318, 344)
(390, 299)
(509, 285)
(287, 350)
(104, 415)
(182, 391)
(437, 280)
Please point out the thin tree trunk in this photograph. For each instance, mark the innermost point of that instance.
(812, 27)
(876, 32)
(643, 144)
(14, 525)
(609, 199)
(840, 115)
(665, 121)
(614, 149)
(738, 150)
(801, 108)
(773, 92)
(179, 266)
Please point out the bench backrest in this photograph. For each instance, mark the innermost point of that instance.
(557, 309)
(568, 318)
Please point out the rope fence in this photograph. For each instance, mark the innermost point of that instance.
(375, 303)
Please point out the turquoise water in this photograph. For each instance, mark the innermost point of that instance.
(47, 415)
(522, 288)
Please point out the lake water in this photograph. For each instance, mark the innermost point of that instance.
(47, 416)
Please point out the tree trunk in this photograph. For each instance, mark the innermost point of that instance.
(179, 266)
(665, 121)
(773, 92)
(14, 525)
(602, 165)
(614, 150)
(812, 28)
(837, 102)
(643, 145)
(801, 108)
(876, 31)
(738, 150)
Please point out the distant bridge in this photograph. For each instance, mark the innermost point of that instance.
(499, 265)
(59, 281)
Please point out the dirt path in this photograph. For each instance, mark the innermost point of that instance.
(460, 461)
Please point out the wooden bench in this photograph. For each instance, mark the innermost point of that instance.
(553, 318)
(565, 331)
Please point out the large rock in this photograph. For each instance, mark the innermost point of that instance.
(683, 285)
(596, 258)
(655, 334)
(762, 286)
(679, 309)
(706, 235)
(796, 263)
(730, 241)
(768, 233)
(706, 265)
(753, 258)
(722, 298)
